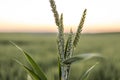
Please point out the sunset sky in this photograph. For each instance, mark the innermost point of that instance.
(36, 15)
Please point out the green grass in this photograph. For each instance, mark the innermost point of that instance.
(42, 47)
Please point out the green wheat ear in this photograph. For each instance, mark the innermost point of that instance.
(61, 38)
(59, 23)
(69, 45)
(77, 36)
(54, 10)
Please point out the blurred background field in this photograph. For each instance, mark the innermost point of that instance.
(42, 47)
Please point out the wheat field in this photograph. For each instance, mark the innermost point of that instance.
(42, 47)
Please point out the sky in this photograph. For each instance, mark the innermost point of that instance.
(36, 15)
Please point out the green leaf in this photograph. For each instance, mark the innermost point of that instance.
(86, 73)
(32, 73)
(81, 57)
(29, 77)
(34, 65)
(34, 76)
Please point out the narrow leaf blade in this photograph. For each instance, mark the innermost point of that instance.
(29, 77)
(34, 65)
(81, 57)
(33, 75)
(86, 73)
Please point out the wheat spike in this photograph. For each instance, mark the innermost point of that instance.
(59, 23)
(69, 45)
(61, 38)
(77, 36)
(54, 10)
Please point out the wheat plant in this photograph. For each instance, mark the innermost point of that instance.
(65, 50)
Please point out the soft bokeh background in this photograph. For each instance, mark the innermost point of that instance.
(30, 24)
(36, 15)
